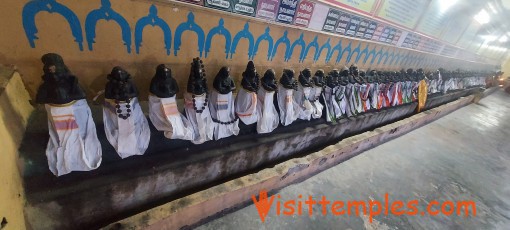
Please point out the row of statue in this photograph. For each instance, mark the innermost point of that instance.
(215, 114)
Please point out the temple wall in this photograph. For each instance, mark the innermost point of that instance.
(51, 32)
(14, 112)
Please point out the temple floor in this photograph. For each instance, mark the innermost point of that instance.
(462, 156)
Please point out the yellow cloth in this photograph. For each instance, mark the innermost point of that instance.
(422, 95)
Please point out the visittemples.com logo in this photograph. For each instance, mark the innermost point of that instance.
(304, 205)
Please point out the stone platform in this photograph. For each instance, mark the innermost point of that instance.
(172, 169)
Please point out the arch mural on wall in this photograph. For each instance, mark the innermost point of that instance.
(299, 42)
(153, 20)
(189, 25)
(282, 40)
(327, 46)
(338, 48)
(370, 54)
(105, 12)
(243, 34)
(32, 8)
(218, 30)
(266, 36)
(363, 53)
(346, 49)
(314, 44)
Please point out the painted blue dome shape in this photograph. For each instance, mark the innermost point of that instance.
(360, 54)
(189, 25)
(105, 12)
(355, 50)
(264, 37)
(327, 46)
(32, 8)
(285, 40)
(313, 44)
(243, 34)
(338, 47)
(299, 42)
(348, 50)
(381, 55)
(395, 58)
(404, 60)
(371, 53)
(220, 30)
(153, 20)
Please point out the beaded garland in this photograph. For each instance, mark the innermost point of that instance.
(225, 123)
(203, 106)
(119, 110)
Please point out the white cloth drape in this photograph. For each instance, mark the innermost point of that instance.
(341, 100)
(317, 106)
(165, 116)
(350, 94)
(332, 108)
(201, 123)
(364, 91)
(222, 109)
(396, 89)
(374, 95)
(302, 97)
(130, 136)
(73, 143)
(289, 109)
(246, 106)
(357, 98)
(268, 119)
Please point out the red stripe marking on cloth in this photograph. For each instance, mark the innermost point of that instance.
(68, 124)
(170, 109)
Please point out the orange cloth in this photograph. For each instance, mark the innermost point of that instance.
(422, 95)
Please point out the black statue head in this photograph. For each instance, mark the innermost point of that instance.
(362, 76)
(332, 80)
(386, 77)
(163, 85)
(197, 83)
(268, 81)
(380, 76)
(120, 86)
(59, 85)
(398, 77)
(250, 79)
(54, 63)
(372, 76)
(350, 76)
(287, 80)
(305, 78)
(409, 74)
(420, 74)
(319, 78)
(353, 69)
(223, 83)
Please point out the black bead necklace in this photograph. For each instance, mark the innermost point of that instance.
(119, 110)
(203, 106)
(225, 123)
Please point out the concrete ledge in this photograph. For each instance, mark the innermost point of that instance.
(193, 208)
